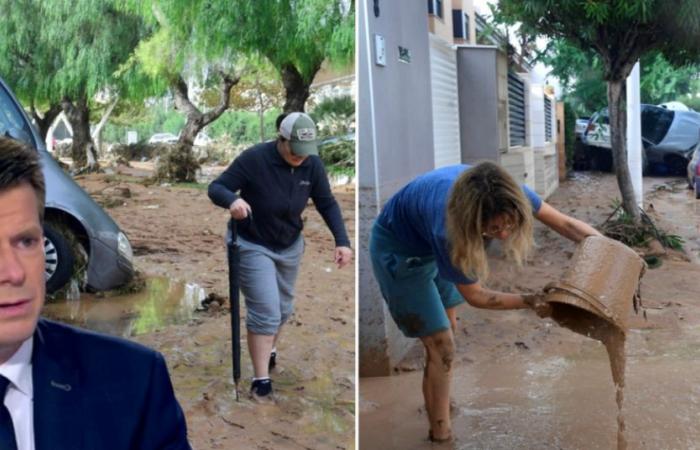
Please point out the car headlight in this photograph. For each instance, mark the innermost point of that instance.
(124, 247)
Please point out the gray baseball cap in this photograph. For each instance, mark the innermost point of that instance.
(300, 131)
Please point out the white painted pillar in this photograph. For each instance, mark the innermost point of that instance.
(634, 134)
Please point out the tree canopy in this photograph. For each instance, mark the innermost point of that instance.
(581, 76)
(620, 32)
(295, 36)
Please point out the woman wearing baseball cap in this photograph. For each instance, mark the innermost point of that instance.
(266, 189)
(428, 253)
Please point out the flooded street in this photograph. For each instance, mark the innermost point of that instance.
(549, 401)
(178, 239)
(161, 303)
(523, 382)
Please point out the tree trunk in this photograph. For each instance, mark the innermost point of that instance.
(180, 164)
(97, 133)
(618, 140)
(45, 120)
(83, 149)
(296, 88)
(196, 120)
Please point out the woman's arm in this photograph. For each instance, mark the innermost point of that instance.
(480, 297)
(567, 226)
(222, 191)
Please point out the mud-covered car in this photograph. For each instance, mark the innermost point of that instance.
(668, 136)
(76, 229)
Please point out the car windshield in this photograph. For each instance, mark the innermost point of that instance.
(655, 123)
(11, 119)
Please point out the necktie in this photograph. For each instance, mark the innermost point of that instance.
(7, 431)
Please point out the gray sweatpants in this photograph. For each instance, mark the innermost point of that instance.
(267, 280)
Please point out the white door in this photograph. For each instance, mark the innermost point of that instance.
(445, 99)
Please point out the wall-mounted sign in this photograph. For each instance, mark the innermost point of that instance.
(404, 55)
(379, 50)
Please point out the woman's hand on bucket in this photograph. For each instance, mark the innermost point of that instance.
(537, 303)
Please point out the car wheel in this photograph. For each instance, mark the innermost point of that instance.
(676, 165)
(59, 257)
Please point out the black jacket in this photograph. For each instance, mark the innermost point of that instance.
(277, 194)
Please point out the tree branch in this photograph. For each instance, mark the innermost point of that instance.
(227, 83)
(182, 99)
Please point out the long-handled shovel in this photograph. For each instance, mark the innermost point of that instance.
(233, 265)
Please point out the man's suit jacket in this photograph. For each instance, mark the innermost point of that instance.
(96, 392)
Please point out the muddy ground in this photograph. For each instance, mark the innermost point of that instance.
(524, 382)
(177, 237)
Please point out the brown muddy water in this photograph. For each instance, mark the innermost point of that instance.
(163, 302)
(535, 400)
(595, 299)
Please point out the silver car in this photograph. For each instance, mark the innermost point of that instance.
(74, 223)
(668, 136)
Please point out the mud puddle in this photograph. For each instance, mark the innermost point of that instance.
(536, 400)
(163, 302)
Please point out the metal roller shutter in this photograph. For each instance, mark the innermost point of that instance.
(445, 99)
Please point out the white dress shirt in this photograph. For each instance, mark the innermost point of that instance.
(19, 398)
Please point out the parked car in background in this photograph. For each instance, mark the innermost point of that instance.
(163, 138)
(74, 225)
(580, 127)
(693, 171)
(668, 136)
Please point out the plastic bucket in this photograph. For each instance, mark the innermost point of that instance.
(603, 279)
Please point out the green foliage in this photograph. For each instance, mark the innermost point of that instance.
(243, 127)
(340, 154)
(343, 105)
(156, 119)
(296, 33)
(334, 116)
(620, 31)
(234, 127)
(581, 75)
(569, 133)
(621, 226)
(64, 47)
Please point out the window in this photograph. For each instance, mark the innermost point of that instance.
(460, 24)
(435, 8)
(12, 121)
(516, 110)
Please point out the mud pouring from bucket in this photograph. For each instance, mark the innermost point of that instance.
(596, 297)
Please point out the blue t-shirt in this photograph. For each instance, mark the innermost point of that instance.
(416, 217)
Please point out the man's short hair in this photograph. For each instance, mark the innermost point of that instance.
(19, 164)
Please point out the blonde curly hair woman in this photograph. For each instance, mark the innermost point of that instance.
(428, 252)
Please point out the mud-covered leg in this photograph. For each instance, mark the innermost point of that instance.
(440, 350)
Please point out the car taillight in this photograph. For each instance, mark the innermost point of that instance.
(591, 127)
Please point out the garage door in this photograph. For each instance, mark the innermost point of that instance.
(443, 84)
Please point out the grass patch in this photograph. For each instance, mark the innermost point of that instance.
(192, 185)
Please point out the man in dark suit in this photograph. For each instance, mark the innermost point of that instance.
(62, 387)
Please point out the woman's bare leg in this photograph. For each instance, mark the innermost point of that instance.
(440, 350)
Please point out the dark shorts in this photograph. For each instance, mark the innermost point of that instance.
(416, 295)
